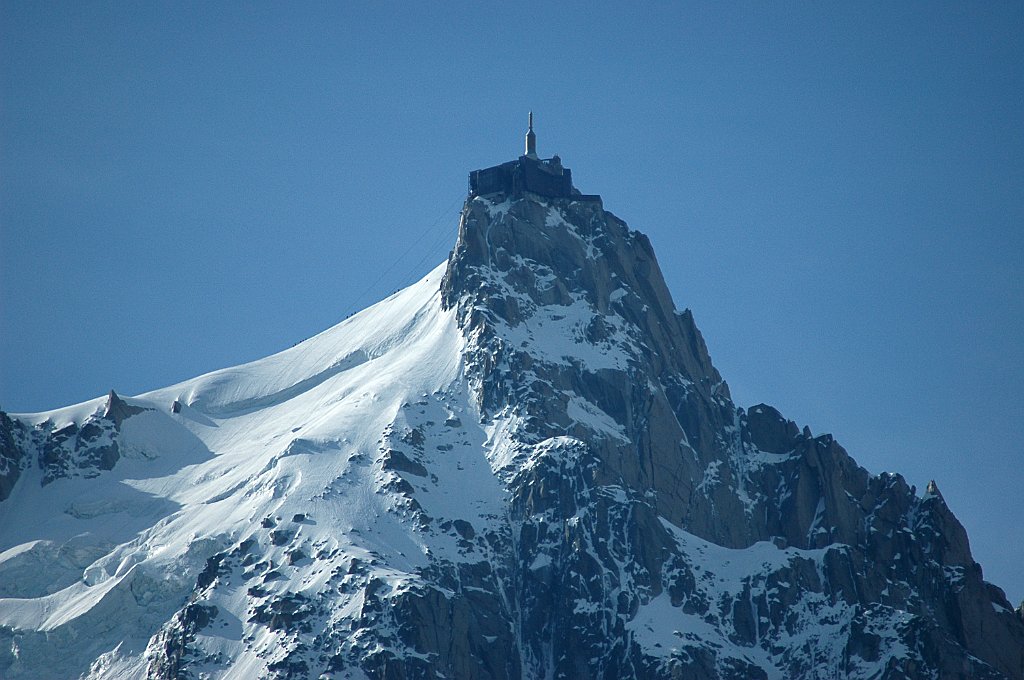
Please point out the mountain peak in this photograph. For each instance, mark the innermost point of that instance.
(516, 255)
(932, 490)
(524, 465)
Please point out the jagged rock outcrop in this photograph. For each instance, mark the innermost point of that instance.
(72, 450)
(526, 465)
(693, 461)
(12, 433)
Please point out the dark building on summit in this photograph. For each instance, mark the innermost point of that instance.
(528, 174)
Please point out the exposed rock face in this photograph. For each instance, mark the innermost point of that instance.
(72, 450)
(889, 574)
(574, 496)
(12, 432)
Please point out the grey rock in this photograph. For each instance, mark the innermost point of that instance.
(695, 461)
(83, 449)
(650, 527)
(117, 409)
(773, 550)
(12, 456)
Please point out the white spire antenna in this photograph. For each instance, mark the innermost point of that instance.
(531, 140)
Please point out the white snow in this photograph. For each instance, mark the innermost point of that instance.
(94, 566)
(297, 432)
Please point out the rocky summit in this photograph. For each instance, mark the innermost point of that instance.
(523, 466)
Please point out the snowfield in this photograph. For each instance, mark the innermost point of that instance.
(278, 437)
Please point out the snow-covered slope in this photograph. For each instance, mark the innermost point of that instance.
(524, 465)
(109, 558)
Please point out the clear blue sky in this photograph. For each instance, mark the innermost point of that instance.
(835, 189)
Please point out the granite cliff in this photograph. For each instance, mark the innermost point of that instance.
(525, 465)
